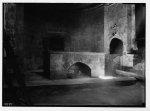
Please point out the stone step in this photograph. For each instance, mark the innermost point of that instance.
(129, 74)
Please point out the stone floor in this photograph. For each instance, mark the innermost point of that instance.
(88, 95)
(85, 91)
(33, 79)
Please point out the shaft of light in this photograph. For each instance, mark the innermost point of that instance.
(107, 77)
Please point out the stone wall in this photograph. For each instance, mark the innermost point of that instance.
(83, 30)
(127, 60)
(119, 22)
(89, 36)
(14, 27)
(61, 61)
(117, 61)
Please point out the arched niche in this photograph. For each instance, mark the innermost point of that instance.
(116, 46)
(80, 69)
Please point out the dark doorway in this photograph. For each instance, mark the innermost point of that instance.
(56, 43)
(53, 42)
(116, 46)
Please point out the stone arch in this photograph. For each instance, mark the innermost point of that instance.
(80, 69)
(116, 46)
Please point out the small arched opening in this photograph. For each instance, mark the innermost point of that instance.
(116, 46)
(78, 70)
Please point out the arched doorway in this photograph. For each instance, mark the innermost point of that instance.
(78, 70)
(116, 46)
